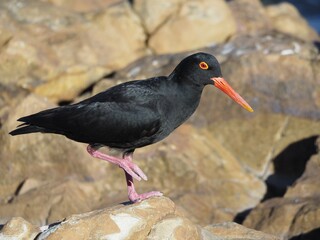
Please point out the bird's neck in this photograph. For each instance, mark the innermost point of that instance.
(184, 100)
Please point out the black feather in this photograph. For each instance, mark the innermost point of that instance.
(133, 114)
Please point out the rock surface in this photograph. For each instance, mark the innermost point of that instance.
(183, 164)
(233, 231)
(44, 157)
(250, 16)
(200, 17)
(19, 229)
(296, 215)
(153, 219)
(58, 53)
(217, 168)
(287, 19)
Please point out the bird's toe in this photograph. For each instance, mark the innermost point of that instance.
(140, 197)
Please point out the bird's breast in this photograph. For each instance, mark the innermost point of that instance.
(179, 109)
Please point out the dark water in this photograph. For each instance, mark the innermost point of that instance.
(310, 9)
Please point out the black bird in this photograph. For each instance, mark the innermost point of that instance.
(134, 114)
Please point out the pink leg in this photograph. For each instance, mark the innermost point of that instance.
(132, 194)
(126, 163)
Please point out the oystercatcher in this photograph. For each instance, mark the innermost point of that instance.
(134, 114)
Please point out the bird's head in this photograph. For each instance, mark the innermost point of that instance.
(202, 69)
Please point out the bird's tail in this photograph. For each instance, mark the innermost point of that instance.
(24, 129)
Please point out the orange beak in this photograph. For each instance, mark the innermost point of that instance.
(220, 83)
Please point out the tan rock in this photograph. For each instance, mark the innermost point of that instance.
(297, 213)
(156, 13)
(174, 228)
(67, 87)
(40, 156)
(52, 201)
(287, 19)
(193, 168)
(83, 5)
(251, 17)
(120, 222)
(65, 50)
(274, 131)
(286, 217)
(196, 24)
(19, 229)
(233, 231)
(307, 185)
(10, 96)
(152, 219)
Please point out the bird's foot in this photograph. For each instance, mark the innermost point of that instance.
(132, 169)
(135, 197)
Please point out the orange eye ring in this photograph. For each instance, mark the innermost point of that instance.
(203, 65)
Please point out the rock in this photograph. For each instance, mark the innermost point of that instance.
(68, 86)
(119, 222)
(83, 5)
(209, 22)
(52, 201)
(152, 219)
(219, 165)
(193, 168)
(306, 186)
(233, 231)
(274, 74)
(18, 228)
(255, 19)
(275, 133)
(10, 96)
(174, 228)
(250, 16)
(155, 13)
(61, 53)
(286, 218)
(297, 213)
(287, 19)
(41, 156)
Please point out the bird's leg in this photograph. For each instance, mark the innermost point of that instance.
(126, 163)
(132, 194)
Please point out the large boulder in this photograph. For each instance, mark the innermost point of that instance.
(287, 19)
(44, 157)
(217, 167)
(58, 52)
(153, 219)
(296, 215)
(193, 25)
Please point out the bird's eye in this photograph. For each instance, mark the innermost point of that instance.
(203, 65)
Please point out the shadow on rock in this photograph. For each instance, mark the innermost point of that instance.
(241, 216)
(289, 165)
(312, 235)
